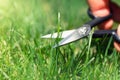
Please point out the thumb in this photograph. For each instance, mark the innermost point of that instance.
(101, 8)
(117, 45)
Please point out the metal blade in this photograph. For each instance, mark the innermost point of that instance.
(62, 34)
(76, 35)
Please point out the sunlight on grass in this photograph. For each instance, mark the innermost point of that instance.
(4, 4)
(4, 8)
(25, 56)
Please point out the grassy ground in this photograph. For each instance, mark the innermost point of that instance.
(25, 56)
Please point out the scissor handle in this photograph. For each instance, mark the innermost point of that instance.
(97, 20)
(93, 16)
(90, 14)
(108, 33)
(101, 33)
(116, 37)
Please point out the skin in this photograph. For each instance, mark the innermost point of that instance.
(102, 8)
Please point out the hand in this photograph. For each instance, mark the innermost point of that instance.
(102, 8)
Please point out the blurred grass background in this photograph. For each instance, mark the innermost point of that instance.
(24, 56)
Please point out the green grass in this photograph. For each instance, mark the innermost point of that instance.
(25, 56)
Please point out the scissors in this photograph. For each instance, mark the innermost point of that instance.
(83, 31)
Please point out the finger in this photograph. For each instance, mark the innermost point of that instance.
(97, 6)
(101, 8)
(117, 45)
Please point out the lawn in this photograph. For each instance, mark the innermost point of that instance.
(25, 56)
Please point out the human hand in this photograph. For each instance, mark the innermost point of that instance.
(102, 8)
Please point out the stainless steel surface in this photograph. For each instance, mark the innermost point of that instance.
(63, 34)
(76, 35)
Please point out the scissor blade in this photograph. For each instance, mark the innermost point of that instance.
(76, 35)
(62, 34)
